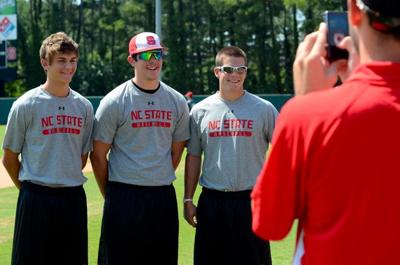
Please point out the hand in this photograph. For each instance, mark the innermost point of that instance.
(17, 183)
(346, 67)
(311, 71)
(190, 212)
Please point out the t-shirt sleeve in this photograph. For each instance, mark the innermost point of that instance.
(17, 124)
(106, 121)
(181, 132)
(194, 144)
(276, 199)
(88, 129)
(272, 115)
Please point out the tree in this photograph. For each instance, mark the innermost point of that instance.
(267, 30)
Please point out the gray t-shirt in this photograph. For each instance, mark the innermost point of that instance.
(51, 133)
(234, 136)
(141, 128)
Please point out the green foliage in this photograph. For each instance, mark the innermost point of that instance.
(269, 32)
(299, 3)
(14, 89)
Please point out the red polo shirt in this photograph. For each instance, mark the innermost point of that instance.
(335, 166)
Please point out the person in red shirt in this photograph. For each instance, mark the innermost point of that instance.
(334, 163)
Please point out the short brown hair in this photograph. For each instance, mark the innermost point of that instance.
(230, 51)
(57, 43)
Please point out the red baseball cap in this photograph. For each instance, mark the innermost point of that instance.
(145, 41)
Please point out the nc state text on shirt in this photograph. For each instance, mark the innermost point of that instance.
(231, 124)
(62, 120)
(151, 114)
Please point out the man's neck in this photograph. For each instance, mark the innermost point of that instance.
(391, 53)
(231, 95)
(378, 47)
(146, 84)
(56, 89)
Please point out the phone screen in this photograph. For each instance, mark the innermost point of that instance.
(338, 28)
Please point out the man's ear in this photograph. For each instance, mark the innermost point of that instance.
(355, 14)
(44, 63)
(131, 61)
(216, 72)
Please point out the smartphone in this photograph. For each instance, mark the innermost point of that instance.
(338, 28)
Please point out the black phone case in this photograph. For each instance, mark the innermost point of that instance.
(337, 29)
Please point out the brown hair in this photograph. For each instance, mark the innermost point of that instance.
(230, 51)
(57, 43)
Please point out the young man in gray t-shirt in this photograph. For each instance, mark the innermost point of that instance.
(232, 130)
(49, 128)
(143, 124)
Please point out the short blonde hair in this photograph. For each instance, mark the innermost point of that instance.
(57, 43)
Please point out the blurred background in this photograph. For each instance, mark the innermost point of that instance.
(268, 30)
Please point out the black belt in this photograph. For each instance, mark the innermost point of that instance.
(243, 194)
(138, 187)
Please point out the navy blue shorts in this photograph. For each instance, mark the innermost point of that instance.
(50, 226)
(140, 225)
(224, 234)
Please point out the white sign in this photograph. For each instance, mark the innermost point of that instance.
(8, 27)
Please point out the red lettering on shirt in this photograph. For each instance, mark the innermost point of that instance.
(136, 115)
(151, 118)
(231, 127)
(61, 130)
(152, 114)
(69, 120)
(47, 121)
(151, 124)
(238, 124)
(231, 134)
(67, 124)
(214, 125)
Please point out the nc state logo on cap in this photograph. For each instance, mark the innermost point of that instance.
(144, 41)
(151, 40)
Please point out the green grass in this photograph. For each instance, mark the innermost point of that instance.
(282, 251)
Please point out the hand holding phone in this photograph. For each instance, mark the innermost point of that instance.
(338, 28)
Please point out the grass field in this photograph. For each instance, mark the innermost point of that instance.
(281, 251)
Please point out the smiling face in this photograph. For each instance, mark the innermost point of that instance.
(61, 68)
(147, 73)
(231, 84)
(59, 58)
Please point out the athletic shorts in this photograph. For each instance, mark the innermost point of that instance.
(223, 232)
(140, 225)
(50, 226)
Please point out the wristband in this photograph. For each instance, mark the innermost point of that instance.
(185, 200)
